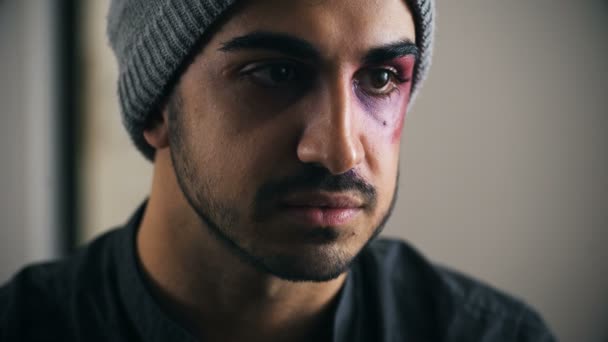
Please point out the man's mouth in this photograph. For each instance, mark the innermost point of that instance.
(321, 209)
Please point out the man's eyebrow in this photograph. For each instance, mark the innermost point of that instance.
(300, 48)
(390, 51)
(280, 42)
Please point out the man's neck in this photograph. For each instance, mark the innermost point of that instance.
(216, 295)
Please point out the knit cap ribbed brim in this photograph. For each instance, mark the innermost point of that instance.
(152, 39)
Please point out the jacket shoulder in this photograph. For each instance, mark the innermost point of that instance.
(492, 313)
(463, 308)
(42, 301)
(30, 304)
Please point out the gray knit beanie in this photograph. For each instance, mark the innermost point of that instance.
(152, 39)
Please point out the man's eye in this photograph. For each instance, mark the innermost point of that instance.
(272, 75)
(379, 81)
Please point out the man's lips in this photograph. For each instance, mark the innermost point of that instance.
(321, 199)
(321, 208)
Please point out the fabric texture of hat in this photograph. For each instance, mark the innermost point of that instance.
(152, 39)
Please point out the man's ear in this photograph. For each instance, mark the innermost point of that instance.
(157, 135)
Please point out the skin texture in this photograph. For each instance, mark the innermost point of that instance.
(246, 138)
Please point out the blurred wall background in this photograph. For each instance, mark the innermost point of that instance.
(29, 153)
(504, 170)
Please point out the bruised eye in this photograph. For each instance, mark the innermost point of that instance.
(272, 75)
(379, 81)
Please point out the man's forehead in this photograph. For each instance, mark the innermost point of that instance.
(331, 26)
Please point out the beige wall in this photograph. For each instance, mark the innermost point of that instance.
(115, 178)
(504, 161)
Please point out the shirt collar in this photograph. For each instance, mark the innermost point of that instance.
(153, 324)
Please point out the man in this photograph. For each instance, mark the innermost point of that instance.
(274, 128)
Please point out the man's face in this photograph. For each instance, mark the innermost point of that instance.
(285, 130)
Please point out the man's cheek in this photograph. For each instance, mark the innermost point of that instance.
(383, 125)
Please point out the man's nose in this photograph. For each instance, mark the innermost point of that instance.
(331, 138)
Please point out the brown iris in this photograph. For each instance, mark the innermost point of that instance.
(379, 78)
(378, 81)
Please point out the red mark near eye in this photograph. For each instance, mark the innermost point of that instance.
(401, 109)
(390, 111)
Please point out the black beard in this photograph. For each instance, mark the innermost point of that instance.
(325, 267)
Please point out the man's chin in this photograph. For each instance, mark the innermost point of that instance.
(301, 252)
(316, 266)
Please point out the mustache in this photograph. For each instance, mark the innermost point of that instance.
(312, 178)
